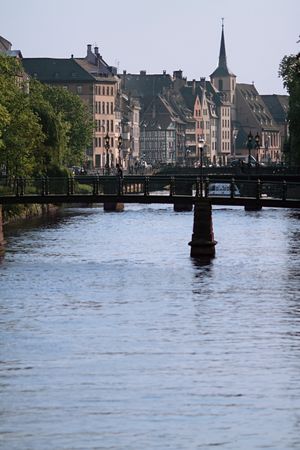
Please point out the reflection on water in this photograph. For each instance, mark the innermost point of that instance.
(113, 337)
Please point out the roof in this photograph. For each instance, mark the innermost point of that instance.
(160, 114)
(5, 45)
(99, 69)
(56, 70)
(278, 106)
(142, 85)
(256, 105)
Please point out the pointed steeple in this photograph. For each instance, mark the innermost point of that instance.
(222, 55)
(222, 69)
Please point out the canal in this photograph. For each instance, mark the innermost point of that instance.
(112, 337)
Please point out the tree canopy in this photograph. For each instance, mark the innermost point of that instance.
(41, 127)
(289, 70)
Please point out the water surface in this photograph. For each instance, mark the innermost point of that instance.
(112, 337)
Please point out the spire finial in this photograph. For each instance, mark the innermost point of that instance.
(222, 23)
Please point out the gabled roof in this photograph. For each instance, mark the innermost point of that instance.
(190, 93)
(160, 114)
(51, 70)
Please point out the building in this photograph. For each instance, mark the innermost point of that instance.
(6, 49)
(278, 105)
(253, 116)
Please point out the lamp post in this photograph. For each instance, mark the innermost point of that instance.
(107, 147)
(120, 140)
(235, 134)
(187, 155)
(249, 146)
(200, 147)
(257, 147)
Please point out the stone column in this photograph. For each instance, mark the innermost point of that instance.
(203, 243)
(2, 241)
(112, 185)
(183, 188)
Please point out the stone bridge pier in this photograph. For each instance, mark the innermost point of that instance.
(203, 242)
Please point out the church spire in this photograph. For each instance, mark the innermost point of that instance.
(222, 69)
(222, 55)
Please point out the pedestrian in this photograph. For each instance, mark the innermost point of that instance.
(119, 171)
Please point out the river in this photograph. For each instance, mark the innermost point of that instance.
(112, 337)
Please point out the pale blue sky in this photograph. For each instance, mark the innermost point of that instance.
(157, 35)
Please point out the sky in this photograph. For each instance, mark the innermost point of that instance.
(157, 35)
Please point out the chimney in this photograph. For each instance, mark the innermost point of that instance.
(164, 72)
(96, 50)
(194, 87)
(202, 82)
(143, 72)
(89, 49)
(124, 79)
(177, 74)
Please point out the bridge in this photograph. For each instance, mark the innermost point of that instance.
(183, 191)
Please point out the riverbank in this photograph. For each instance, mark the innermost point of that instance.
(15, 213)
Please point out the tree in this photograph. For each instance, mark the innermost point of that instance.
(55, 145)
(43, 128)
(74, 113)
(20, 129)
(289, 70)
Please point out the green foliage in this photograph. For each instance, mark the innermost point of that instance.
(74, 113)
(20, 131)
(289, 70)
(43, 128)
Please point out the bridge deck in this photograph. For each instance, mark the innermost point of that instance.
(140, 189)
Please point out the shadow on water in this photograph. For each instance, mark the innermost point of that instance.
(50, 220)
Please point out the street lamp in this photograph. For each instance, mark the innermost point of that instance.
(187, 155)
(200, 147)
(200, 151)
(120, 140)
(235, 135)
(249, 146)
(107, 147)
(257, 147)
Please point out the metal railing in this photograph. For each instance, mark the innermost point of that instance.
(179, 186)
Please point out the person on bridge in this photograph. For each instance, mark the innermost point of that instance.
(119, 171)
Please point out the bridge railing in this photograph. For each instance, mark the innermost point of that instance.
(185, 186)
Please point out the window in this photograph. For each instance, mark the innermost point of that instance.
(221, 86)
(79, 89)
(98, 160)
